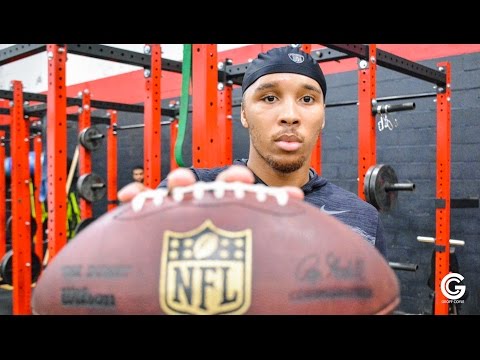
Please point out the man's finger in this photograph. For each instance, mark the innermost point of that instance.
(185, 177)
(237, 173)
(180, 177)
(129, 191)
(243, 174)
(294, 192)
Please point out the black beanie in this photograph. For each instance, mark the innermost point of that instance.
(286, 59)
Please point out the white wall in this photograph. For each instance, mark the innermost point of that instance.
(32, 71)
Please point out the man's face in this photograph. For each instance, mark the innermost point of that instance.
(137, 175)
(284, 114)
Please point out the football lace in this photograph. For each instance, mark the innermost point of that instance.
(218, 188)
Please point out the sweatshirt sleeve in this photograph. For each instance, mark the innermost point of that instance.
(380, 239)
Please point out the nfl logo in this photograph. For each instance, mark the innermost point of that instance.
(297, 58)
(206, 271)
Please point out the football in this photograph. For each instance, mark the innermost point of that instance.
(217, 248)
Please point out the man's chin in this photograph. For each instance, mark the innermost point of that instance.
(286, 167)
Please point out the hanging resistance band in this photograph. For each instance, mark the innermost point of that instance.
(182, 122)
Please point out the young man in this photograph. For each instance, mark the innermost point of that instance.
(137, 174)
(283, 108)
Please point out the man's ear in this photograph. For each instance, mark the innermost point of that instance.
(243, 119)
(324, 116)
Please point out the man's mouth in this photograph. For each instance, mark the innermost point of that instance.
(288, 142)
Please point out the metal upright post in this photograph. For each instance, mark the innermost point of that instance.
(112, 162)
(205, 143)
(21, 227)
(152, 130)
(442, 234)
(57, 148)
(3, 200)
(85, 156)
(366, 120)
(225, 125)
(316, 159)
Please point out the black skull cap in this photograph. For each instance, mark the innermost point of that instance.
(285, 59)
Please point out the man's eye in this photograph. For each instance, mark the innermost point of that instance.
(269, 98)
(308, 99)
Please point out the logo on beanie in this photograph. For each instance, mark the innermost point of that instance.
(297, 58)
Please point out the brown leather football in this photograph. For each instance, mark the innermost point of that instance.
(217, 248)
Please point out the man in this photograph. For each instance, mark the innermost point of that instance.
(283, 108)
(137, 174)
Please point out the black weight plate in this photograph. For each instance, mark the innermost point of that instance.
(382, 175)
(6, 267)
(366, 184)
(87, 191)
(88, 138)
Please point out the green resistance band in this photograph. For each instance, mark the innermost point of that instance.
(182, 122)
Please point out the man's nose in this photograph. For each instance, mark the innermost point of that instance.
(289, 114)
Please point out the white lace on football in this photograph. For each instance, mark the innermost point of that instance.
(218, 188)
(157, 195)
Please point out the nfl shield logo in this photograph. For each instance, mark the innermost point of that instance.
(297, 58)
(206, 271)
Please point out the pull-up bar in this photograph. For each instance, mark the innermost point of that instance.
(136, 126)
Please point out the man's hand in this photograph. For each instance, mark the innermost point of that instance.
(129, 191)
(185, 177)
